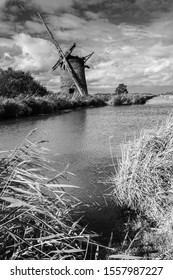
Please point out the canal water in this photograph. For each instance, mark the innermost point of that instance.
(88, 140)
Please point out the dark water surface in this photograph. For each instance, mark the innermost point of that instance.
(83, 138)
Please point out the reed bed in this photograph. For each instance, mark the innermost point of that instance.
(144, 186)
(129, 99)
(35, 208)
(26, 105)
(145, 176)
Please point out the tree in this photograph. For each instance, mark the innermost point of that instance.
(16, 82)
(121, 89)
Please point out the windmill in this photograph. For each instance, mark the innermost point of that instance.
(72, 77)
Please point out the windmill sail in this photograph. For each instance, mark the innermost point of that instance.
(87, 57)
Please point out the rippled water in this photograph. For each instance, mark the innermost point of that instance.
(83, 139)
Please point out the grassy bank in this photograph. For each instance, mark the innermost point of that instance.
(35, 209)
(143, 186)
(125, 99)
(129, 99)
(27, 105)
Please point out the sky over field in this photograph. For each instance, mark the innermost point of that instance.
(132, 41)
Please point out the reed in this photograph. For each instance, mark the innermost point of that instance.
(35, 208)
(143, 186)
(144, 180)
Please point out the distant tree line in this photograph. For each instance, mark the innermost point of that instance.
(16, 82)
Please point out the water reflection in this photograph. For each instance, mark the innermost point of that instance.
(82, 139)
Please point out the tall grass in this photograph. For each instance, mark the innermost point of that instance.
(129, 99)
(144, 186)
(144, 180)
(24, 105)
(35, 208)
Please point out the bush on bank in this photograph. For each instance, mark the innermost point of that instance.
(16, 82)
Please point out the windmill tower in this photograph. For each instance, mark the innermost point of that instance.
(72, 78)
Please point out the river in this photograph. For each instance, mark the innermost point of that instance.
(84, 138)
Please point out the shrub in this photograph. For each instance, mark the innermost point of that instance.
(16, 82)
(121, 89)
(14, 108)
(118, 100)
(39, 105)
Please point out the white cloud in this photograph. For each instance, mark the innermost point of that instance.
(37, 54)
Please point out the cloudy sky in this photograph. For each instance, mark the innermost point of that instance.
(132, 41)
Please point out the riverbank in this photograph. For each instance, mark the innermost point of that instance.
(130, 99)
(143, 186)
(29, 105)
(125, 99)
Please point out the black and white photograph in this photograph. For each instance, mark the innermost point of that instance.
(86, 134)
